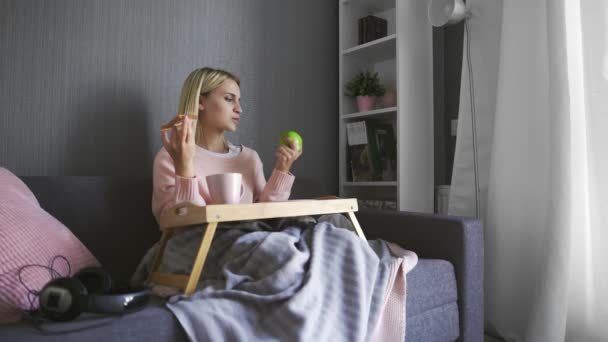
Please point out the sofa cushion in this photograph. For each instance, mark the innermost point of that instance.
(431, 284)
(432, 315)
(432, 308)
(153, 323)
(32, 242)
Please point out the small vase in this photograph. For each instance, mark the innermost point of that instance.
(366, 103)
(389, 99)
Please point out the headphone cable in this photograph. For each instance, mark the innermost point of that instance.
(53, 274)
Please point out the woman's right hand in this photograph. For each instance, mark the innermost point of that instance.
(180, 144)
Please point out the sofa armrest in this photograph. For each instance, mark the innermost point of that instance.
(452, 238)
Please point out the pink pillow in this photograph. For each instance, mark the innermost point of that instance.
(30, 235)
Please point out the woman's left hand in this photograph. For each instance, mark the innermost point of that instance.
(286, 155)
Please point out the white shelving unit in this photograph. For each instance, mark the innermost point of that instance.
(404, 62)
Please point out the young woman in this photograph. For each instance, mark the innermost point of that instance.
(194, 146)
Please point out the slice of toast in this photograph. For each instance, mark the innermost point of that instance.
(177, 121)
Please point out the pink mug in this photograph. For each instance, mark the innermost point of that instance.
(225, 188)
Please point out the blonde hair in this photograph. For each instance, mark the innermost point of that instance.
(201, 82)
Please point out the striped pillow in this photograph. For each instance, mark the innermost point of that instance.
(30, 235)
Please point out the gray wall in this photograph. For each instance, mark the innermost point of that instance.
(84, 85)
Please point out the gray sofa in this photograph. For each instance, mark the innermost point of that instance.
(112, 217)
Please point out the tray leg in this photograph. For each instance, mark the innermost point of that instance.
(358, 229)
(201, 256)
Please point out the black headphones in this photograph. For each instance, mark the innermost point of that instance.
(89, 290)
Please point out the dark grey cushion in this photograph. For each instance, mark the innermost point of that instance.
(430, 284)
(112, 216)
(438, 324)
(432, 307)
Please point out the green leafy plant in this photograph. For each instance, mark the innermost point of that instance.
(364, 84)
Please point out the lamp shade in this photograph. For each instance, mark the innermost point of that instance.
(446, 12)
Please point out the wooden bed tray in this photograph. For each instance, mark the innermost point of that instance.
(187, 214)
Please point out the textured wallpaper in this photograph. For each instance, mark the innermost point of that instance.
(84, 85)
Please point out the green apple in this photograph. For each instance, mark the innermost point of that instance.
(293, 135)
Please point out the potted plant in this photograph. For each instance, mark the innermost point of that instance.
(365, 86)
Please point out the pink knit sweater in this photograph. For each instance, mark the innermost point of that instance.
(170, 189)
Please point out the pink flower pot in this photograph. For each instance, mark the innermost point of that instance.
(389, 99)
(365, 103)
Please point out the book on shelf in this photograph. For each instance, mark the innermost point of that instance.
(360, 31)
(377, 204)
(371, 150)
(363, 167)
(371, 28)
(386, 145)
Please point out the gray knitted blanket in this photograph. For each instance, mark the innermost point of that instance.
(295, 281)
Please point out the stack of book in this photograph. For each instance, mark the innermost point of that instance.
(372, 150)
(377, 204)
(371, 28)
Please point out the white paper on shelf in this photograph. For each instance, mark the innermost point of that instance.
(357, 133)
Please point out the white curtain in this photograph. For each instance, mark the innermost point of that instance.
(540, 84)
